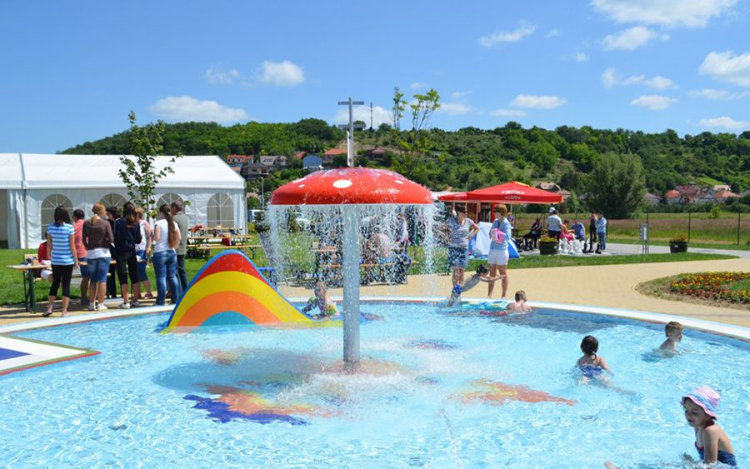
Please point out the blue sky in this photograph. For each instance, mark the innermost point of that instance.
(72, 70)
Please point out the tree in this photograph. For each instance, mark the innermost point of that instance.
(399, 105)
(616, 185)
(140, 175)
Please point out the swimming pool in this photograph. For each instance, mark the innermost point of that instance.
(438, 390)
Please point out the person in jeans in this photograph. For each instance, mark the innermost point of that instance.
(98, 237)
(460, 231)
(78, 220)
(113, 214)
(601, 232)
(166, 238)
(61, 240)
(143, 251)
(182, 223)
(127, 236)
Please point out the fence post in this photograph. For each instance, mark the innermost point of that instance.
(689, 221)
(739, 214)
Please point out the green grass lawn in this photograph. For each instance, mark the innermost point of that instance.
(742, 285)
(11, 282)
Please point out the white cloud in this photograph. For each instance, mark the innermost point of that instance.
(724, 122)
(523, 30)
(708, 93)
(669, 13)
(553, 33)
(654, 102)
(727, 67)
(283, 73)
(418, 85)
(454, 109)
(508, 113)
(537, 102)
(217, 76)
(460, 94)
(362, 113)
(580, 57)
(631, 39)
(611, 79)
(187, 108)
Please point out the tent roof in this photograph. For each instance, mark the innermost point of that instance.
(37, 171)
(509, 193)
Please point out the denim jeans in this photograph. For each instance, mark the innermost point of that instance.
(165, 267)
(142, 276)
(602, 239)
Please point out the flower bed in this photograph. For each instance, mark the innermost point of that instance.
(713, 286)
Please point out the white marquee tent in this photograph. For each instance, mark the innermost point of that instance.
(32, 185)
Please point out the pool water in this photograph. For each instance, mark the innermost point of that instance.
(437, 389)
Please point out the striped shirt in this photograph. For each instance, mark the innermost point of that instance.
(61, 253)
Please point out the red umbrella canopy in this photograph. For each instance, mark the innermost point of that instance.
(351, 186)
(510, 193)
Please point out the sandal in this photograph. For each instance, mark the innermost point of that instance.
(47, 314)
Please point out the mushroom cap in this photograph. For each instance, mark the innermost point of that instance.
(351, 186)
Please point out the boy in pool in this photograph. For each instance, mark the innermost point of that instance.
(322, 302)
(591, 365)
(519, 306)
(473, 281)
(673, 330)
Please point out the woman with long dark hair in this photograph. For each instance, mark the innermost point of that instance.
(98, 237)
(62, 246)
(127, 236)
(166, 238)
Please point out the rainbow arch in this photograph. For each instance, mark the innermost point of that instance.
(229, 290)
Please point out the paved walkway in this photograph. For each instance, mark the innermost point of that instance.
(610, 286)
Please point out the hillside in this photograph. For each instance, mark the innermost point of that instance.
(471, 157)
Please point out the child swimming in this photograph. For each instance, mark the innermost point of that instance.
(473, 281)
(519, 306)
(673, 330)
(701, 406)
(591, 365)
(320, 300)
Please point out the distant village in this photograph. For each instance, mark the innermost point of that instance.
(255, 167)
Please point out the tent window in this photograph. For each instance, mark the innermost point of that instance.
(50, 204)
(220, 211)
(168, 199)
(113, 200)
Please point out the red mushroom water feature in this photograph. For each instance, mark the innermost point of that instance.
(350, 188)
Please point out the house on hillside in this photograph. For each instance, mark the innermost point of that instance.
(721, 187)
(552, 187)
(238, 161)
(274, 161)
(333, 152)
(312, 163)
(651, 199)
(253, 171)
(376, 154)
(673, 197)
(745, 193)
(724, 195)
(300, 154)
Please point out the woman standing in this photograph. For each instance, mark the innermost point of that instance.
(461, 231)
(62, 245)
(500, 235)
(127, 237)
(98, 237)
(143, 250)
(78, 221)
(166, 238)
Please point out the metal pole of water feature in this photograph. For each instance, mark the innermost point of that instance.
(351, 285)
(351, 257)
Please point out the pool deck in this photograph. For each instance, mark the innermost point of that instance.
(608, 286)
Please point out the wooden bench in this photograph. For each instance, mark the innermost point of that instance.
(204, 250)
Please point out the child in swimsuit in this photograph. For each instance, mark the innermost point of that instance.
(519, 306)
(591, 365)
(473, 281)
(322, 302)
(673, 330)
(701, 406)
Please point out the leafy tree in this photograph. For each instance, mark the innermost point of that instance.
(616, 185)
(141, 175)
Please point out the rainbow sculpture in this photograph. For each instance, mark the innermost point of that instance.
(229, 290)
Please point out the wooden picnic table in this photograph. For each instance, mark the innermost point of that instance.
(206, 249)
(29, 272)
